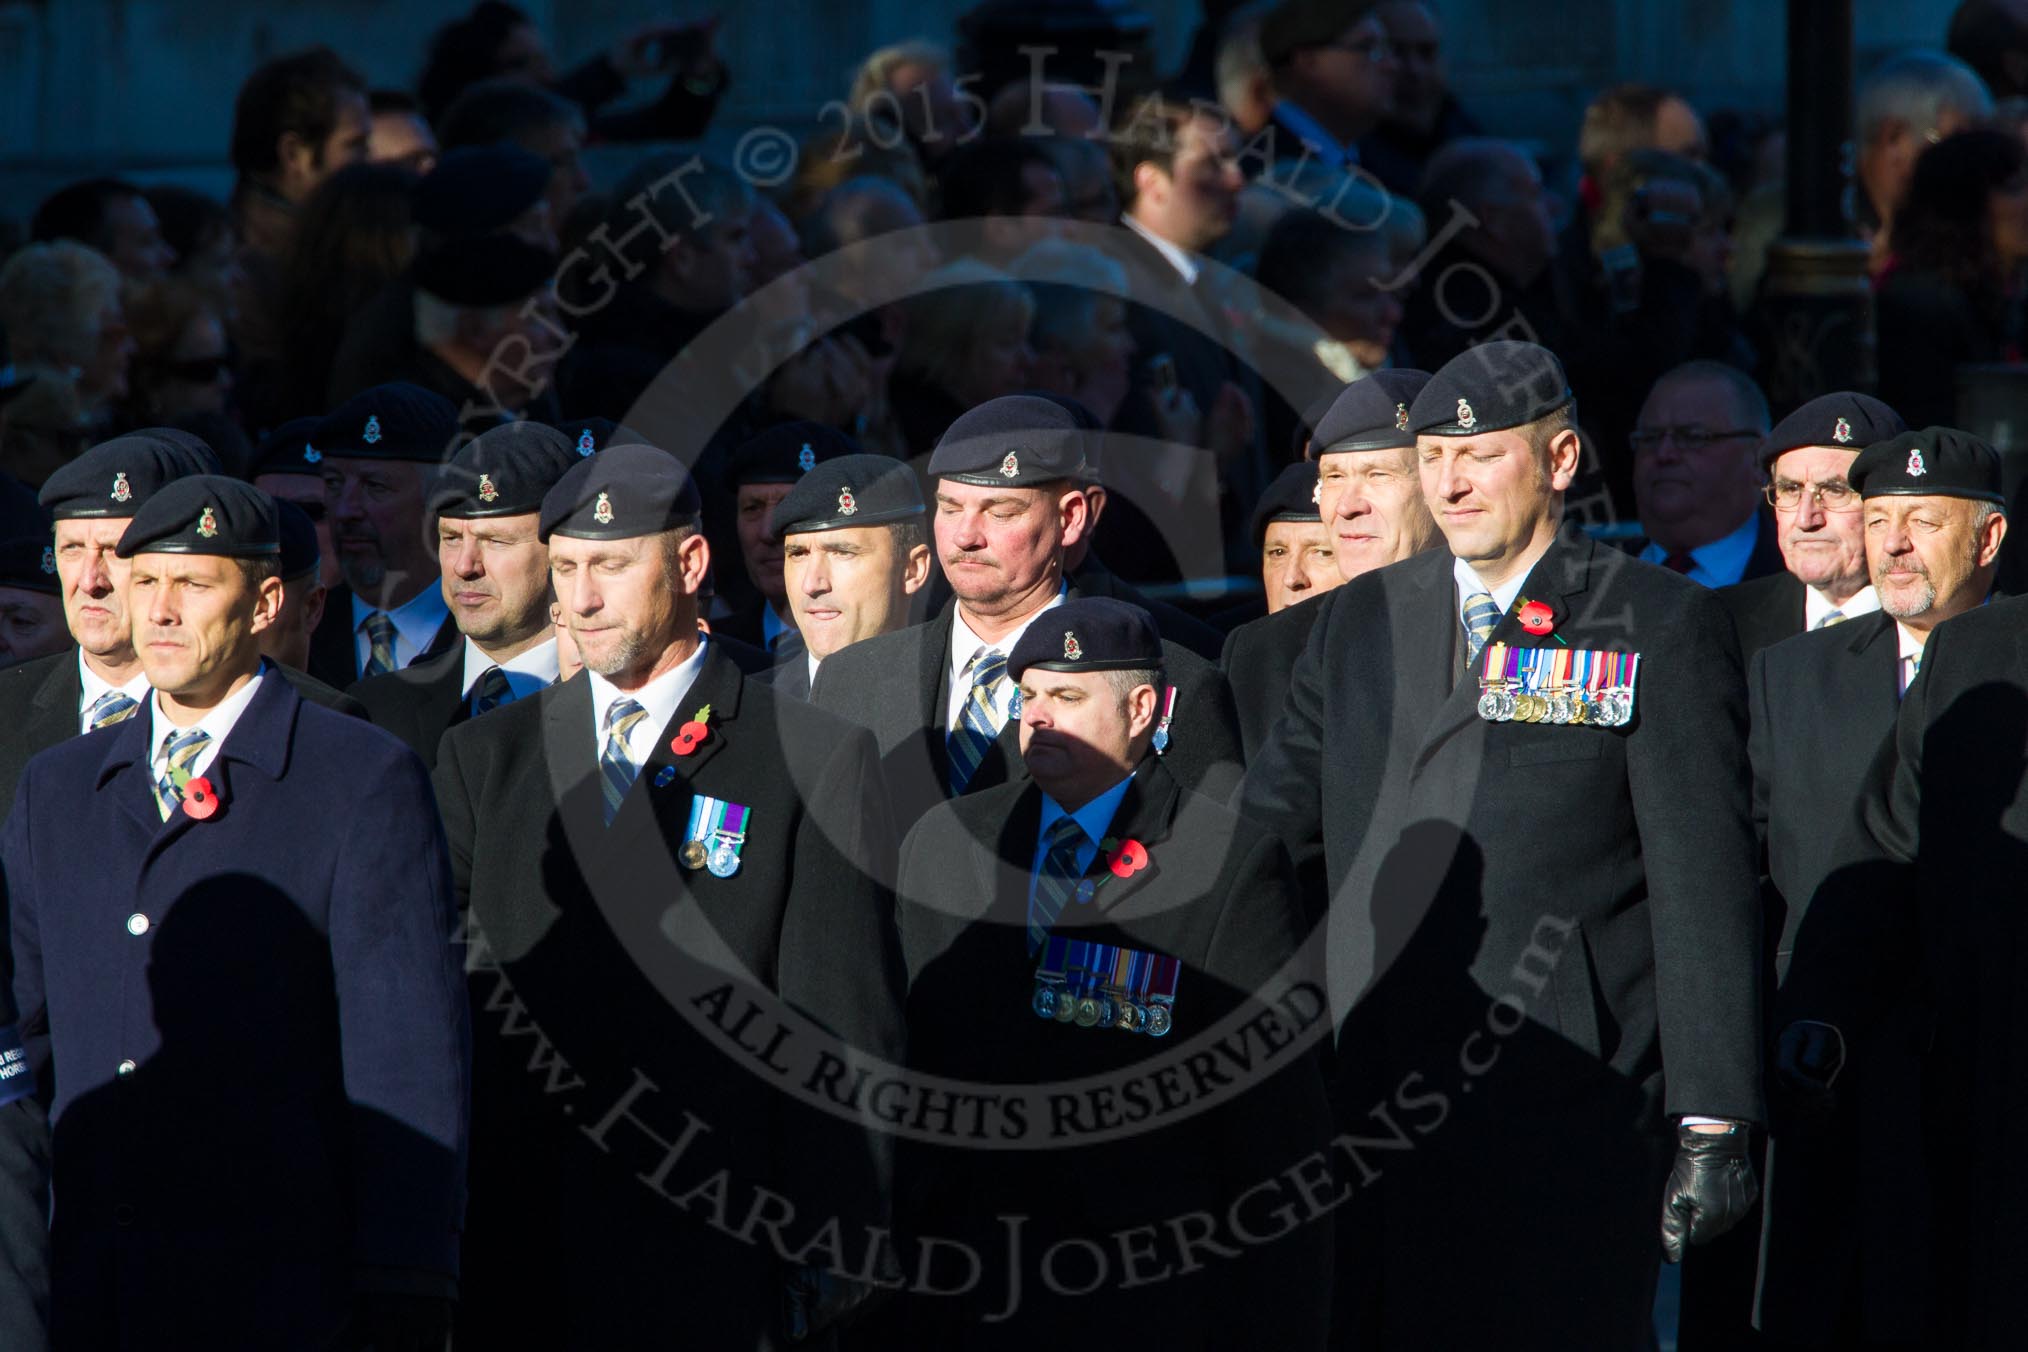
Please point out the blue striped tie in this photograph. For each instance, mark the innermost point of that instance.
(616, 767)
(491, 692)
(1057, 882)
(179, 751)
(380, 644)
(1482, 615)
(978, 725)
(115, 706)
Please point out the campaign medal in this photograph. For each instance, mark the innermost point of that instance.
(1161, 742)
(693, 854)
(715, 835)
(1491, 680)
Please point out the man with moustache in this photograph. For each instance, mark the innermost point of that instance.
(263, 1143)
(937, 695)
(1372, 506)
(495, 570)
(1697, 476)
(1581, 862)
(378, 453)
(854, 551)
(1835, 1268)
(1000, 893)
(1818, 516)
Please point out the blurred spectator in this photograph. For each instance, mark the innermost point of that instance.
(283, 467)
(111, 216)
(498, 40)
(354, 237)
(31, 601)
(1951, 291)
(485, 328)
(967, 342)
(514, 112)
(1007, 194)
(1991, 36)
(1491, 274)
(1629, 117)
(1246, 86)
(287, 638)
(2012, 115)
(400, 135)
(910, 84)
(182, 361)
(42, 427)
(60, 309)
(1079, 336)
(1697, 476)
(1906, 106)
(861, 150)
(1065, 125)
(1344, 323)
(199, 232)
(1424, 114)
(1334, 75)
(1704, 246)
(778, 254)
(867, 208)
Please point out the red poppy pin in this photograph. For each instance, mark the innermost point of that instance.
(1130, 858)
(200, 800)
(1537, 618)
(692, 734)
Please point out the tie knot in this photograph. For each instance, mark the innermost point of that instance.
(1679, 563)
(622, 714)
(988, 665)
(492, 689)
(379, 625)
(1065, 832)
(112, 707)
(1835, 617)
(181, 746)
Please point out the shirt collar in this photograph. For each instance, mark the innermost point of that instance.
(1722, 562)
(1325, 148)
(92, 686)
(526, 672)
(964, 642)
(1468, 582)
(1816, 605)
(814, 661)
(659, 697)
(218, 721)
(1180, 259)
(772, 627)
(1094, 818)
(417, 619)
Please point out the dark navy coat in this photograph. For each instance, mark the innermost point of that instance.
(257, 1027)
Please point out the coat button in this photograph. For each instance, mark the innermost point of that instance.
(137, 924)
(124, 1069)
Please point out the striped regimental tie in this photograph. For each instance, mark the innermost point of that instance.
(1057, 882)
(978, 726)
(180, 751)
(380, 640)
(115, 706)
(616, 766)
(1482, 615)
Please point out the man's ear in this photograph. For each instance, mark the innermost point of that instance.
(1566, 448)
(313, 605)
(294, 156)
(1074, 516)
(915, 573)
(267, 604)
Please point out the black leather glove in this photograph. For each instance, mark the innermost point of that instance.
(1710, 1187)
(1808, 1057)
(388, 1321)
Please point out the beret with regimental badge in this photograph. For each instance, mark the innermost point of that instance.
(205, 514)
(1091, 633)
(1842, 419)
(1490, 388)
(1370, 414)
(475, 190)
(1935, 462)
(114, 478)
(29, 564)
(1015, 441)
(395, 421)
(504, 471)
(622, 492)
(786, 452)
(289, 449)
(852, 490)
(1292, 496)
(589, 436)
(298, 534)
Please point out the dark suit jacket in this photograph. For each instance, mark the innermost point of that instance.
(419, 702)
(790, 679)
(898, 685)
(611, 985)
(334, 649)
(1259, 658)
(38, 707)
(1595, 884)
(1216, 894)
(1765, 610)
(257, 1024)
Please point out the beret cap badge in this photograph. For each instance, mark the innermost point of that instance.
(1010, 467)
(487, 491)
(602, 510)
(1072, 652)
(48, 559)
(1466, 418)
(585, 445)
(122, 490)
(372, 432)
(207, 523)
(807, 458)
(1916, 469)
(311, 455)
(847, 504)
(1401, 417)
(1842, 433)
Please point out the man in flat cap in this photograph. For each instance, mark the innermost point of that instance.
(644, 851)
(937, 695)
(1824, 579)
(262, 1144)
(93, 499)
(495, 568)
(1372, 505)
(289, 468)
(759, 475)
(31, 602)
(379, 454)
(1822, 705)
(855, 551)
(1579, 861)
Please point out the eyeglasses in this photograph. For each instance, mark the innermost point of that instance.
(1692, 438)
(1835, 496)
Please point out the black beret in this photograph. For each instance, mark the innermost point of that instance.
(115, 477)
(201, 452)
(621, 492)
(395, 421)
(1843, 418)
(588, 436)
(486, 271)
(205, 514)
(300, 553)
(1091, 633)
(1291, 497)
(786, 452)
(478, 189)
(1370, 414)
(852, 490)
(289, 449)
(1087, 420)
(1015, 441)
(504, 471)
(1295, 24)
(28, 563)
(1490, 388)
(1937, 462)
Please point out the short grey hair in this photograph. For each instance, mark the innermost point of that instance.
(1125, 683)
(1916, 89)
(1239, 57)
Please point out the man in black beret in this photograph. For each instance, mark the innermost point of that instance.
(31, 601)
(1296, 561)
(657, 819)
(759, 475)
(288, 466)
(1372, 507)
(855, 550)
(295, 1068)
(1821, 705)
(287, 640)
(937, 695)
(1808, 458)
(1583, 856)
(485, 327)
(1099, 844)
(379, 454)
(589, 436)
(488, 506)
(482, 190)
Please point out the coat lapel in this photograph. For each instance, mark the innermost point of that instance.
(1145, 814)
(56, 704)
(1876, 667)
(933, 680)
(662, 800)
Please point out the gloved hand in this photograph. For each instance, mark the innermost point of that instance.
(1808, 1057)
(388, 1321)
(1710, 1187)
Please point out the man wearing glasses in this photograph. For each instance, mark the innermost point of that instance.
(1817, 521)
(1697, 476)
(1333, 74)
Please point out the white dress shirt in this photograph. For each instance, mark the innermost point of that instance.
(1186, 264)
(964, 643)
(416, 622)
(527, 672)
(92, 687)
(1911, 654)
(660, 697)
(1816, 606)
(1468, 582)
(217, 721)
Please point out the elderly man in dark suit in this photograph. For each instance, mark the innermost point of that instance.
(1525, 758)
(231, 915)
(675, 882)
